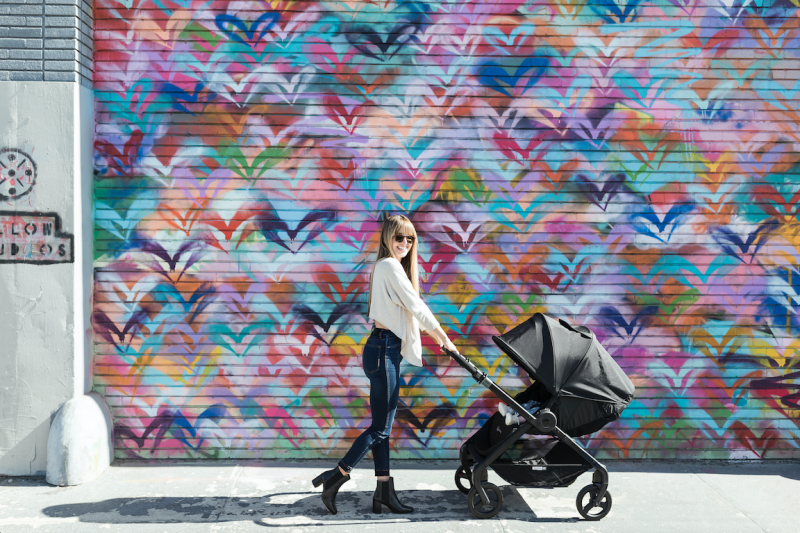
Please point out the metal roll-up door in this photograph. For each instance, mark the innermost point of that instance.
(631, 167)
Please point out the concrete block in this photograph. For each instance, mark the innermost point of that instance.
(63, 33)
(25, 32)
(61, 54)
(85, 28)
(10, 64)
(61, 10)
(61, 76)
(12, 43)
(9, 9)
(12, 21)
(81, 444)
(87, 72)
(63, 22)
(33, 21)
(59, 43)
(85, 66)
(21, 10)
(24, 54)
(59, 65)
(31, 75)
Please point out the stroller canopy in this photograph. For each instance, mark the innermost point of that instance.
(567, 360)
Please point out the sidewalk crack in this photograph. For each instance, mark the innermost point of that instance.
(237, 472)
(497, 516)
(726, 500)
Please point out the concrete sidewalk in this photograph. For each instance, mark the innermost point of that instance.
(232, 497)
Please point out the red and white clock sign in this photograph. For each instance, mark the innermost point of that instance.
(17, 173)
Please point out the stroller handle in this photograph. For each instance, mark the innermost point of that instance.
(544, 420)
(467, 365)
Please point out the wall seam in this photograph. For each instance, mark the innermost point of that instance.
(44, 29)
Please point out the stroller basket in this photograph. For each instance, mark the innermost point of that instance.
(540, 475)
(579, 389)
(528, 462)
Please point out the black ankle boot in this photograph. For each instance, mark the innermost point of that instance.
(330, 481)
(385, 495)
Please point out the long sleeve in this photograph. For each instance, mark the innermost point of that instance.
(403, 294)
(397, 306)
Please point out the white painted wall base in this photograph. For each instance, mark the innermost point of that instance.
(81, 444)
(45, 328)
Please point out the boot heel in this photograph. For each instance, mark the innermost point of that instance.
(318, 480)
(376, 507)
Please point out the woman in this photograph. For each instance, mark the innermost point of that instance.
(398, 314)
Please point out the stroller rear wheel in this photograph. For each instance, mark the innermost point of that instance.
(463, 479)
(585, 499)
(477, 507)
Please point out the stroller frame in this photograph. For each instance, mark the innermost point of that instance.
(544, 421)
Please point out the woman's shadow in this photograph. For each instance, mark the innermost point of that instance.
(287, 509)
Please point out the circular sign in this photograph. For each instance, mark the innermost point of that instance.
(17, 173)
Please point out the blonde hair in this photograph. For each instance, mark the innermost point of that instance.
(392, 226)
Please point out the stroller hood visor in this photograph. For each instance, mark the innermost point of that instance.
(566, 360)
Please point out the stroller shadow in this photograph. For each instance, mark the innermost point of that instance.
(288, 509)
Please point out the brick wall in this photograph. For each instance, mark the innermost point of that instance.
(46, 40)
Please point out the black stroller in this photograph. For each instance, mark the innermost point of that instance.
(578, 389)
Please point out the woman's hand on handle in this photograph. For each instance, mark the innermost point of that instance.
(449, 346)
(442, 340)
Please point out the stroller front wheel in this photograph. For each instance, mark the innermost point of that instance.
(477, 507)
(585, 503)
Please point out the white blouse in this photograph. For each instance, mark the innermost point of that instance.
(397, 306)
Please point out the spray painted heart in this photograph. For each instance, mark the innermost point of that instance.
(526, 75)
(238, 30)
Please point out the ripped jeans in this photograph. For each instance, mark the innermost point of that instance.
(381, 363)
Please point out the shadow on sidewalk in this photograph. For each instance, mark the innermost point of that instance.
(289, 509)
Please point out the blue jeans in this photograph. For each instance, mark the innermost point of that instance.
(381, 363)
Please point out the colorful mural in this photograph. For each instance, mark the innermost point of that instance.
(627, 165)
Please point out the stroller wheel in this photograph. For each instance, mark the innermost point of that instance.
(463, 479)
(585, 500)
(477, 507)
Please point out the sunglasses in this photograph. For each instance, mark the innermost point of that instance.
(400, 238)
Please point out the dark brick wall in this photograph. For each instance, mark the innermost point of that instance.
(46, 40)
